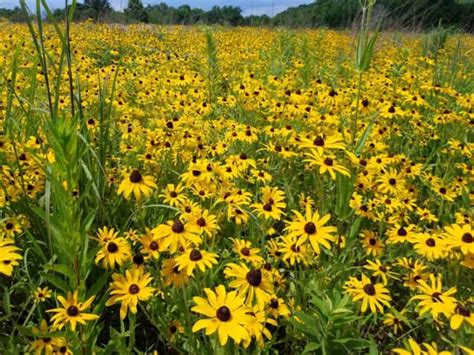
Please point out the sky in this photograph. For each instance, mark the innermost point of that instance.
(249, 7)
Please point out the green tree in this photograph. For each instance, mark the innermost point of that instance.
(97, 8)
(135, 12)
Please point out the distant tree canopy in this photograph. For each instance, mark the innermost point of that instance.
(135, 12)
(390, 14)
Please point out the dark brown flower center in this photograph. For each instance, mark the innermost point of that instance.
(274, 303)
(173, 329)
(173, 194)
(430, 242)
(72, 311)
(223, 314)
(369, 289)
(467, 238)
(245, 251)
(402, 232)
(138, 259)
(310, 228)
(177, 227)
(9, 225)
(392, 181)
(154, 246)
(463, 311)
(267, 207)
(135, 176)
(319, 142)
(195, 255)
(46, 340)
(112, 247)
(133, 289)
(372, 241)
(328, 162)
(201, 222)
(254, 277)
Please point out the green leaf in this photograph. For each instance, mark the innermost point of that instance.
(61, 269)
(98, 285)
(56, 282)
(310, 347)
(365, 135)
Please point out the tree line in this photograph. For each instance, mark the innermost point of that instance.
(389, 14)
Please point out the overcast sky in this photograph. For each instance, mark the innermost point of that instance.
(249, 7)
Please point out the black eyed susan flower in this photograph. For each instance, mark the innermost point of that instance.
(311, 227)
(42, 294)
(174, 328)
(326, 164)
(72, 312)
(391, 182)
(372, 243)
(276, 307)
(45, 343)
(257, 327)
(137, 185)
(174, 195)
(177, 234)
(171, 274)
(413, 348)
(293, 252)
(460, 237)
(204, 222)
(434, 300)
(226, 314)
(461, 315)
(373, 296)
(151, 244)
(192, 258)
(245, 252)
(115, 251)
(128, 290)
(10, 227)
(431, 246)
(253, 284)
(8, 256)
(395, 320)
(378, 269)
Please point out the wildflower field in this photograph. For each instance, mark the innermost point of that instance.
(210, 190)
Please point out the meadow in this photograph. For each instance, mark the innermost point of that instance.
(213, 190)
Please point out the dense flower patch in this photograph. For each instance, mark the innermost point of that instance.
(195, 190)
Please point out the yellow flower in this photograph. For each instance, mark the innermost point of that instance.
(177, 233)
(461, 315)
(434, 299)
(130, 289)
(171, 274)
(8, 256)
(194, 257)
(72, 312)
(460, 237)
(311, 226)
(415, 349)
(379, 270)
(245, 251)
(115, 251)
(251, 283)
(373, 296)
(42, 294)
(226, 314)
(326, 164)
(137, 184)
